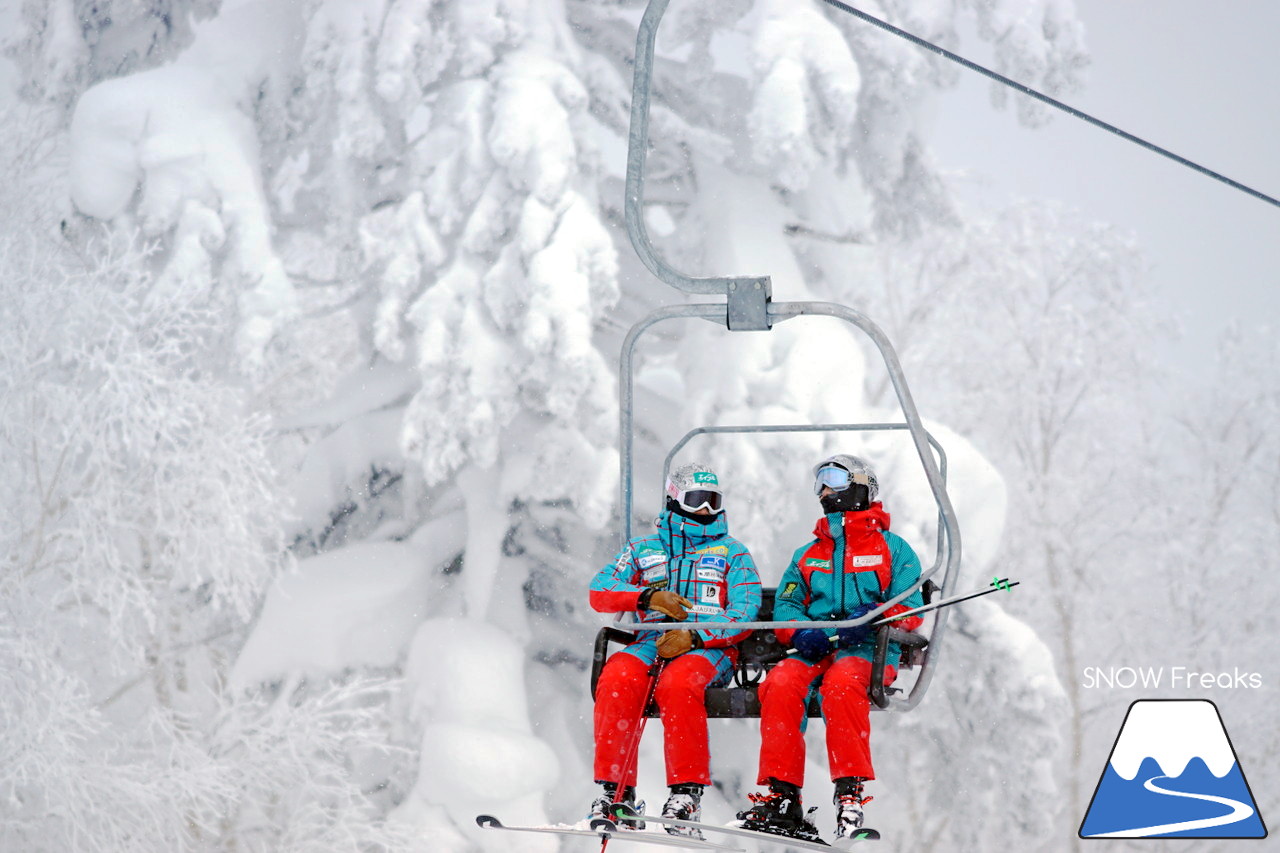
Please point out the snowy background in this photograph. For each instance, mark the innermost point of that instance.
(309, 317)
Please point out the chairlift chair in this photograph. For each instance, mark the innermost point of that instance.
(748, 306)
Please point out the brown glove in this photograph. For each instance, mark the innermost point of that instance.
(668, 603)
(674, 643)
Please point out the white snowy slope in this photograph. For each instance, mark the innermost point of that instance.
(1172, 733)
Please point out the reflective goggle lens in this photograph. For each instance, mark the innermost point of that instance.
(695, 499)
(836, 478)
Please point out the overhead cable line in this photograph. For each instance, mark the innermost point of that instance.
(1043, 98)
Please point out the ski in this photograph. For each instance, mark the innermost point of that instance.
(622, 810)
(602, 829)
(607, 825)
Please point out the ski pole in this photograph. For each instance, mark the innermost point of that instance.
(633, 750)
(997, 585)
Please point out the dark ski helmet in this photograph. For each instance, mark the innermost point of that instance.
(852, 482)
(693, 487)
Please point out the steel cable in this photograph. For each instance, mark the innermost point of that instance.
(1043, 98)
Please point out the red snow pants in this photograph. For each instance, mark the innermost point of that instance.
(681, 697)
(845, 705)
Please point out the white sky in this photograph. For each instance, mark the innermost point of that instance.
(1201, 80)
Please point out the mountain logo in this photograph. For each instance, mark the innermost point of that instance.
(1173, 773)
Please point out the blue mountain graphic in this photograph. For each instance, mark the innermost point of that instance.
(1121, 804)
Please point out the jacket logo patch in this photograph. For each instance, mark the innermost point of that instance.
(712, 561)
(868, 560)
(651, 560)
(818, 564)
(718, 550)
(709, 575)
(790, 589)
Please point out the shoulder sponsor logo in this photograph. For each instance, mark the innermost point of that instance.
(868, 560)
(790, 589)
(651, 560)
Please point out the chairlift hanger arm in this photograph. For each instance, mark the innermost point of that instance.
(747, 296)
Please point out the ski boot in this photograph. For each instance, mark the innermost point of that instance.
(849, 801)
(602, 806)
(779, 812)
(685, 803)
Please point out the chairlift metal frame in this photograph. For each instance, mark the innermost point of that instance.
(748, 306)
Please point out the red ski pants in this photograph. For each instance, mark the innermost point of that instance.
(845, 705)
(681, 697)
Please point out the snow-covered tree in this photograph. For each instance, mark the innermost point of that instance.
(145, 524)
(62, 47)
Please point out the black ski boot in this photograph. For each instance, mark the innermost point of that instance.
(849, 801)
(779, 812)
(602, 806)
(685, 803)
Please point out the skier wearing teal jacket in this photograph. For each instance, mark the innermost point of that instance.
(688, 569)
(853, 565)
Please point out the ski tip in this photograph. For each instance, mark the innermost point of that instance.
(487, 821)
(860, 835)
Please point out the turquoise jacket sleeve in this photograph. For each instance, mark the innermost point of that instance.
(906, 574)
(614, 589)
(906, 570)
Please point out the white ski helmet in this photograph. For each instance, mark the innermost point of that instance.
(694, 486)
(860, 471)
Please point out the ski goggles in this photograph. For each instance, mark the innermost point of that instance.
(692, 500)
(837, 479)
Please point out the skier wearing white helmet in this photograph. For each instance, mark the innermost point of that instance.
(690, 569)
(853, 565)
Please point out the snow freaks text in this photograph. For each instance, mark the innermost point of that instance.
(1152, 677)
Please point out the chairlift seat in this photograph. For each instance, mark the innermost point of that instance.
(761, 651)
